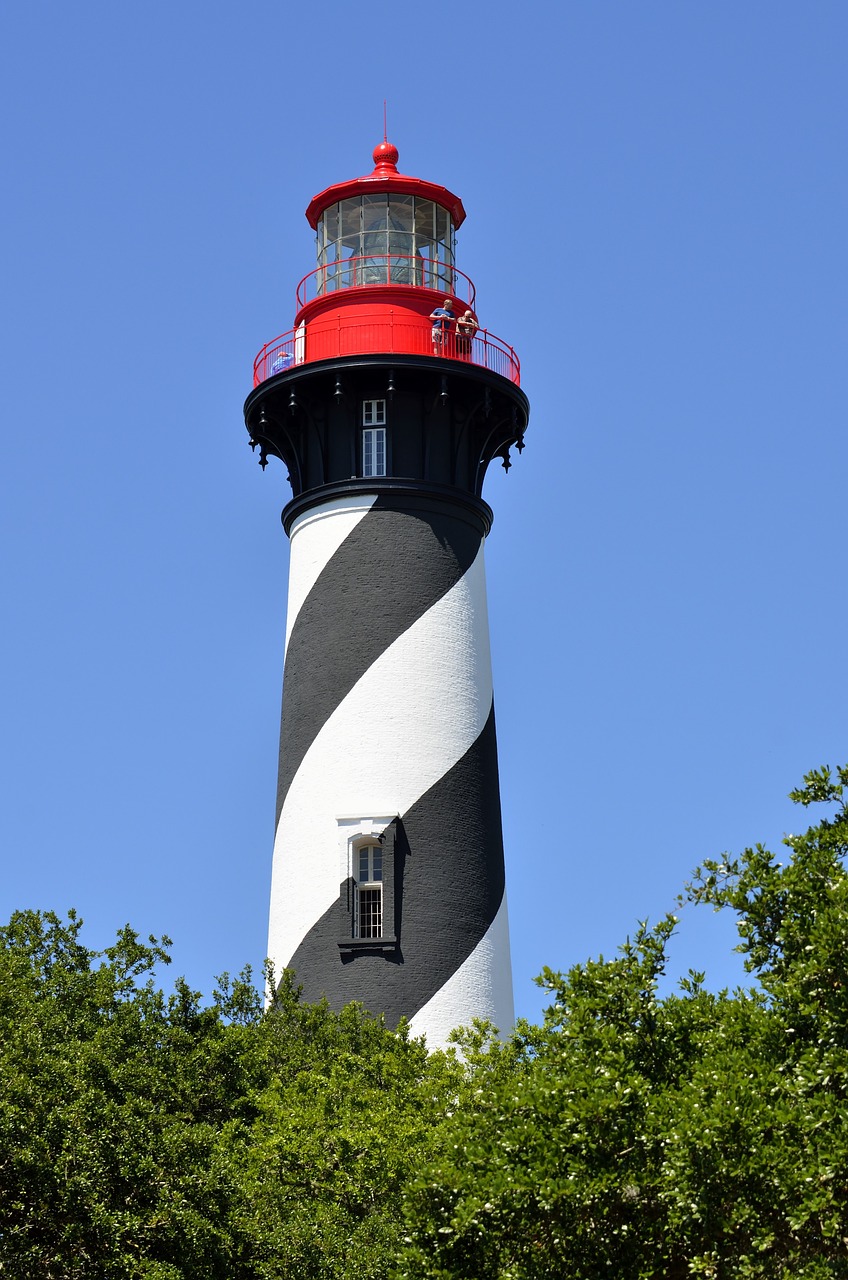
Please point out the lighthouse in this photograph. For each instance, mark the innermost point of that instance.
(386, 402)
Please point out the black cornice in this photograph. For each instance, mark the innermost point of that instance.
(399, 493)
(440, 365)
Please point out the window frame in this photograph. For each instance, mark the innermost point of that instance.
(372, 885)
(377, 411)
(376, 446)
(357, 834)
(374, 441)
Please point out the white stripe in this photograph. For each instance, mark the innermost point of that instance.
(315, 537)
(480, 988)
(408, 720)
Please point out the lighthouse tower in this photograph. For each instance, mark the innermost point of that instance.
(388, 873)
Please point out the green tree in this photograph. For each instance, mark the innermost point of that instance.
(635, 1136)
(347, 1116)
(112, 1100)
(144, 1135)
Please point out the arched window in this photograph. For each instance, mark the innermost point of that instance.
(368, 919)
(369, 915)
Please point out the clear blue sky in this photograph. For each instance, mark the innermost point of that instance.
(657, 209)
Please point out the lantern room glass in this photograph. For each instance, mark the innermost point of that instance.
(385, 238)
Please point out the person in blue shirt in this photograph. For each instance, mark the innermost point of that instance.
(443, 317)
(283, 360)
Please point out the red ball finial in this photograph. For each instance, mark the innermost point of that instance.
(385, 155)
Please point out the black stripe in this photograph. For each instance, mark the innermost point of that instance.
(449, 886)
(393, 567)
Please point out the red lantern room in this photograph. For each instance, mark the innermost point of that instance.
(386, 261)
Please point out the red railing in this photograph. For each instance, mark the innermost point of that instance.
(330, 339)
(383, 269)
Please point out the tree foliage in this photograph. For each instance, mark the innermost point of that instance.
(143, 1135)
(695, 1135)
(631, 1135)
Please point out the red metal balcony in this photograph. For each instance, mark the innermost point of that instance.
(340, 335)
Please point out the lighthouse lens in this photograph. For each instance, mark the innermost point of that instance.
(386, 238)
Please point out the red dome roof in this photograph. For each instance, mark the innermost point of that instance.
(385, 177)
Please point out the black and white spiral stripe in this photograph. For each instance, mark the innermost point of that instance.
(387, 710)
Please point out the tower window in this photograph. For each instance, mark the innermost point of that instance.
(373, 413)
(374, 450)
(369, 892)
(369, 909)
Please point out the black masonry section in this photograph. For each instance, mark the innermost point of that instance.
(398, 561)
(447, 420)
(449, 883)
